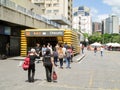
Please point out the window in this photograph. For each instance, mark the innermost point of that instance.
(56, 11)
(56, 4)
(48, 5)
(49, 11)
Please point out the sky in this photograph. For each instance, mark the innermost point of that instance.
(100, 9)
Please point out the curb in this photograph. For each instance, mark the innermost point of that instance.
(79, 59)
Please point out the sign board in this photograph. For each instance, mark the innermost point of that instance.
(44, 33)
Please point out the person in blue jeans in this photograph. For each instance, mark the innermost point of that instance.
(55, 55)
(68, 57)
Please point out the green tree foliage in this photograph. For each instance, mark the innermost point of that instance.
(104, 38)
(96, 37)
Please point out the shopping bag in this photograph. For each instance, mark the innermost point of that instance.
(54, 75)
(26, 63)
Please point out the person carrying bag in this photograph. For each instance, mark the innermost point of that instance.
(48, 63)
(31, 70)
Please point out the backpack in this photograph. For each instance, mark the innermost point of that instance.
(47, 60)
(60, 55)
(26, 63)
(55, 54)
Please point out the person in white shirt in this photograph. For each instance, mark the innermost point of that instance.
(50, 47)
(101, 50)
(64, 53)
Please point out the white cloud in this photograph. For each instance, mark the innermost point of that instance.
(112, 2)
(115, 4)
(101, 17)
(96, 17)
(93, 11)
(116, 10)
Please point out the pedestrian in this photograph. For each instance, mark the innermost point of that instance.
(60, 56)
(38, 51)
(95, 50)
(64, 52)
(101, 50)
(48, 63)
(7, 49)
(65, 45)
(57, 46)
(55, 55)
(50, 47)
(43, 50)
(68, 57)
(83, 49)
(31, 70)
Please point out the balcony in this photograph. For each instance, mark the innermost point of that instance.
(59, 19)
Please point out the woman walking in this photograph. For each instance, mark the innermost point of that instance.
(68, 55)
(60, 56)
(48, 63)
(31, 70)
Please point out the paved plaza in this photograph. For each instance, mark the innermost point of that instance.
(93, 72)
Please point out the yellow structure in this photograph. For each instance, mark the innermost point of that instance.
(23, 50)
(71, 37)
(61, 35)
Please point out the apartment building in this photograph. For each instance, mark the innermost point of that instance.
(97, 27)
(82, 19)
(111, 24)
(59, 11)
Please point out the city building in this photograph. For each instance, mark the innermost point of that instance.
(111, 25)
(97, 27)
(59, 11)
(82, 21)
(22, 26)
(17, 15)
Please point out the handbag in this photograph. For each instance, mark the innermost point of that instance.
(54, 75)
(26, 63)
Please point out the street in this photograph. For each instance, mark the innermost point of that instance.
(93, 72)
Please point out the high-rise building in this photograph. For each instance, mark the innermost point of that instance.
(97, 27)
(59, 11)
(111, 25)
(82, 20)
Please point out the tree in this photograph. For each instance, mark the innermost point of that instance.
(104, 38)
(96, 37)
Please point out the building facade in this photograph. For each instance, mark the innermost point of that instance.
(15, 16)
(82, 21)
(97, 27)
(111, 25)
(59, 11)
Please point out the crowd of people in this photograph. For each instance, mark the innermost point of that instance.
(51, 57)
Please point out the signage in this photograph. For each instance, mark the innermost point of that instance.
(44, 33)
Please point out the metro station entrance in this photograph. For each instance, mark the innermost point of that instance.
(30, 37)
(31, 41)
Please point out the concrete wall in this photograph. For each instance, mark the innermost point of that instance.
(28, 5)
(15, 17)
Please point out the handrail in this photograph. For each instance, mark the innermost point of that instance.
(14, 6)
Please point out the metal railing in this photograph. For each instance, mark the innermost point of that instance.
(11, 5)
